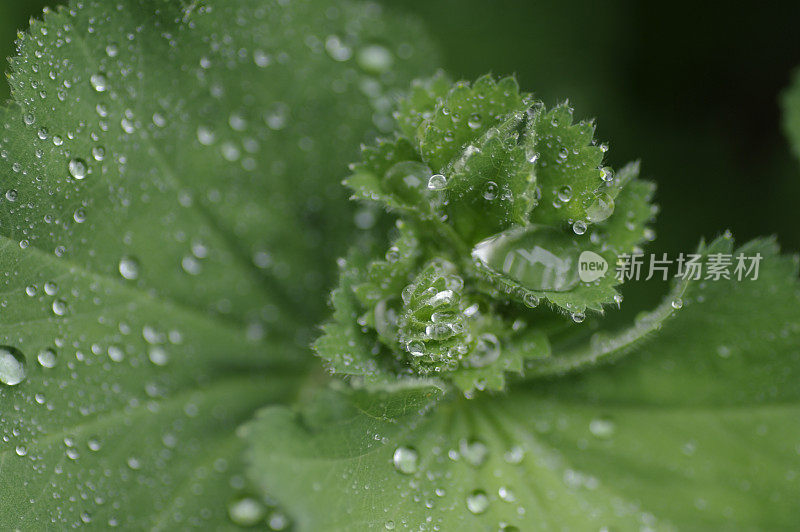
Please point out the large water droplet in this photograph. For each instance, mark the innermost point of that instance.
(47, 358)
(437, 182)
(246, 511)
(99, 82)
(602, 428)
(600, 209)
(374, 58)
(474, 452)
(129, 268)
(537, 257)
(12, 365)
(77, 168)
(477, 502)
(405, 460)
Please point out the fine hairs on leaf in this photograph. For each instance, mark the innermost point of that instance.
(174, 200)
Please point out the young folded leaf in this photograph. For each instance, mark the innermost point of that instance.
(499, 201)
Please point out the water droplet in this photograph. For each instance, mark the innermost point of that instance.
(205, 136)
(79, 216)
(579, 227)
(50, 288)
(490, 191)
(514, 455)
(477, 502)
(389, 525)
(487, 350)
(437, 182)
(724, 351)
(565, 194)
(12, 195)
(475, 120)
(407, 179)
(158, 356)
(600, 209)
(474, 452)
(405, 460)
(677, 303)
(374, 58)
(12, 366)
(337, 49)
(112, 50)
(530, 300)
(98, 153)
(99, 82)
(59, 307)
(506, 494)
(47, 358)
(537, 257)
(578, 317)
(261, 58)
(277, 520)
(129, 268)
(246, 511)
(602, 428)
(115, 353)
(77, 168)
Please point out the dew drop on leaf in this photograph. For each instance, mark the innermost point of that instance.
(437, 182)
(246, 511)
(490, 191)
(59, 307)
(477, 502)
(374, 58)
(12, 366)
(405, 460)
(537, 257)
(600, 209)
(47, 358)
(99, 82)
(77, 168)
(158, 356)
(129, 268)
(487, 350)
(474, 452)
(602, 428)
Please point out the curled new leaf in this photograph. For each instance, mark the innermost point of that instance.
(500, 199)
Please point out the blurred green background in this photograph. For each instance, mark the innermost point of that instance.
(690, 88)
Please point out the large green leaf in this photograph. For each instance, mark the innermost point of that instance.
(170, 216)
(697, 429)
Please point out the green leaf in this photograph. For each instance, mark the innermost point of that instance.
(569, 167)
(695, 429)
(464, 114)
(420, 103)
(626, 228)
(491, 184)
(171, 211)
(379, 177)
(790, 100)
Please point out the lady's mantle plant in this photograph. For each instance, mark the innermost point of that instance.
(498, 198)
(170, 216)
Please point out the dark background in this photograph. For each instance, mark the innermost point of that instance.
(689, 88)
